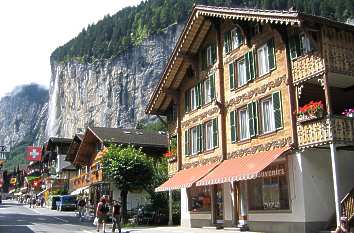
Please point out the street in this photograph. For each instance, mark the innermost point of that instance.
(18, 218)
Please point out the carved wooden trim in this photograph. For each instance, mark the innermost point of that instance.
(202, 162)
(280, 143)
(200, 117)
(256, 91)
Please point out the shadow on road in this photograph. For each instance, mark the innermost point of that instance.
(15, 229)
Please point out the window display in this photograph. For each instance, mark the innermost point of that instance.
(200, 199)
(270, 190)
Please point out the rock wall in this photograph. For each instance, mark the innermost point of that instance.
(108, 93)
(23, 116)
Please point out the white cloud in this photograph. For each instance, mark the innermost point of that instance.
(31, 29)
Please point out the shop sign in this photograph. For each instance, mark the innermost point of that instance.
(272, 172)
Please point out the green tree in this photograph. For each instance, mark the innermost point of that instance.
(130, 170)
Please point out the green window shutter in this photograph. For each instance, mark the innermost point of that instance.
(199, 138)
(299, 47)
(202, 93)
(278, 118)
(251, 119)
(212, 86)
(255, 117)
(186, 142)
(204, 59)
(215, 132)
(197, 94)
(213, 53)
(250, 66)
(271, 54)
(187, 101)
(232, 75)
(233, 126)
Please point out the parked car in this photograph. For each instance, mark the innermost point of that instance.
(52, 202)
(66, 202)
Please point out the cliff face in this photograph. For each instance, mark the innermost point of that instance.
(111, 93)
(23, 118)
(23, 115)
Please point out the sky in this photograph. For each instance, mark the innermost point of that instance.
(30, 30)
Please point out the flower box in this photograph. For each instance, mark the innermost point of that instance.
(311, 111)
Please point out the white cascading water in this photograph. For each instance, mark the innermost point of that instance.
(53, 121)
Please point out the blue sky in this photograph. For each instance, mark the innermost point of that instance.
(31, 30)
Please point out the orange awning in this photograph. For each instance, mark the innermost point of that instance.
(241, 168)
(186, 178)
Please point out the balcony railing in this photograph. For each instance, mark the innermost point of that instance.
(336, 129)
(307, 66)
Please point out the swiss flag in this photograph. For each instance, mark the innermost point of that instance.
(34, 153)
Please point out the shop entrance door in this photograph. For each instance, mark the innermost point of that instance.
(218, 204)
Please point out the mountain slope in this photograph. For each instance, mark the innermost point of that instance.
(23, 116)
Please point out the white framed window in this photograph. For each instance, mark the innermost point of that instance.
(193, 96)
(209, 56)
(241, 72)
(236, 38)
(207, 91)
(267, 112)
(194, 140)
(209, 135)
(244, 124)
(263, 60)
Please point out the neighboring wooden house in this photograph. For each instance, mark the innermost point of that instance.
(252, 149)
(92, 148)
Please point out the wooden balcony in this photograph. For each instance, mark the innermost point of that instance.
(79, 181)
(86, 179)
(307, 66)
(336, 129)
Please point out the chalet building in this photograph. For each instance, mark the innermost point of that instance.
(258, 108)
(90, 149)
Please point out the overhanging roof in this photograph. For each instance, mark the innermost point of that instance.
(196, 29)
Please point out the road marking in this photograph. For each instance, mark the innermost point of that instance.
(61, 219)
(37, 212)
(87, 231)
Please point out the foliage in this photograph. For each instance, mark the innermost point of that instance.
(130, 170)
(130, 26)
(311, 109)
(349, 112)
(155, 126)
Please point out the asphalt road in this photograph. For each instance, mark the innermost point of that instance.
(18, 218)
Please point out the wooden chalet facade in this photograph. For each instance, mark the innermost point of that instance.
(89, 149)
(254, 102)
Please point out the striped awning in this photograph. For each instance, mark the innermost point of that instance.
(186, 178)
(241, 168)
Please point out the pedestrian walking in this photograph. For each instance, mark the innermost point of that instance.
(101, 213)
(81, 208)
(116, 216)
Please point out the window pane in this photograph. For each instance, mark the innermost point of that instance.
(193, 99)
(263, 62)
(209, 135)
(244, 127)
(267, 116)
(241, 72)
(209, 56)
(207, 91)
(235, 39)
(200, 199)
(194, 142)
(270, 191)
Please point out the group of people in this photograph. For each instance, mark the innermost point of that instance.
(35, 201)
(102, 214)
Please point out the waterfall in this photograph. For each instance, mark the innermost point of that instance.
(53, 118)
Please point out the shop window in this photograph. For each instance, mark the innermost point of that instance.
(200, 199)
(270, 190)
